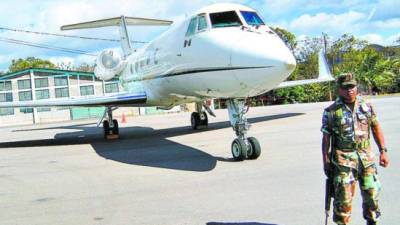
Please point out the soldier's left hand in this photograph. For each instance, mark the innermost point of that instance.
(384, 160)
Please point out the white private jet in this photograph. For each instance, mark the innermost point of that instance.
(222, 51)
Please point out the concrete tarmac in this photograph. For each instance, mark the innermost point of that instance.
(162, 172)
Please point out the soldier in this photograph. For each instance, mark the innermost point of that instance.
(346, 125)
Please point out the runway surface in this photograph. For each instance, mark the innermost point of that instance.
(162, 172)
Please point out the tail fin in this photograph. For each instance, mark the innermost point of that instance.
(122, 22)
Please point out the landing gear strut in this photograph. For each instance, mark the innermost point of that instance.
(199, 118)
(243, 147)
(110, 126)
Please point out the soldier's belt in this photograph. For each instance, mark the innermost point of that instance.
(351, 146)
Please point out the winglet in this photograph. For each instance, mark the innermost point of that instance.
(323, 68)
(324, 74)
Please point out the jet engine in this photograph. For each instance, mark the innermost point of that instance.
(108, 64)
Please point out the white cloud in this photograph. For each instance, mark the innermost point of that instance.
(323, 22)
(387, 24)
(374, 38)
(387, 9)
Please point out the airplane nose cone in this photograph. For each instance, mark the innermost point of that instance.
(263, 51)
(290, 63)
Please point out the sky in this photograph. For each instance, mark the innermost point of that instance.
(377, 21)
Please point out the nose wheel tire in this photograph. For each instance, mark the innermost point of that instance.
(255, 146)
(239, 150)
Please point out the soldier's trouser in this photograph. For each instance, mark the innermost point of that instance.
(345, 180)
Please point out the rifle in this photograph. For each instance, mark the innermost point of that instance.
(329, 189)
(328, 195)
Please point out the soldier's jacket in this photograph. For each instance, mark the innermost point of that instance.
(351, 132)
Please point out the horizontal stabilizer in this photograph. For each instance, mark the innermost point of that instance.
(323, 70)
(133, 21)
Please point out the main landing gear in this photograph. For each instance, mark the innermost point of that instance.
(110, 125)
(199, 118)
(243, 147)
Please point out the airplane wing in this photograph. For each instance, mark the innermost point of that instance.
(324, 74)
(123, 99)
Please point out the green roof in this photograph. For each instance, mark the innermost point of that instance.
(44, 70)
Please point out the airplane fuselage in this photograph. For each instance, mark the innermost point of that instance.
(209, 61)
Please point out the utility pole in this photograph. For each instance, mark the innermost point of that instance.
(324, 36)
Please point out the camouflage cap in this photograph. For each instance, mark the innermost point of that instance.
(346, 79)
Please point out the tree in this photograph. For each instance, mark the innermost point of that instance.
(287, 37)
(30, 62)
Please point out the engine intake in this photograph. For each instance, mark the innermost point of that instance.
(108, 64)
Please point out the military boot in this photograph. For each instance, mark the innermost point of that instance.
(371, 222)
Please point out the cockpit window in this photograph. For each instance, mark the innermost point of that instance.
(252, 18)
(202, 23)
(225, 19)
(192, 27)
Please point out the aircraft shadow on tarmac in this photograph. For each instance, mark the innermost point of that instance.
(158, 151)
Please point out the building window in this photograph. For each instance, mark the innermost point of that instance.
(5, 86)
(24, 84)
(87, 90)
(25, 96)
(42, 94)
(111, 88)
(62, 93)
(61, 81)
(6, 97)
(41, 82)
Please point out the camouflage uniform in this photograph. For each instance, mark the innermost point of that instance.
(353, 158)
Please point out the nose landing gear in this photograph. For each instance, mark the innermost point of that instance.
(242, 147)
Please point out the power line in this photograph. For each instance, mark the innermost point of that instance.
(66, 36)
(37, 45)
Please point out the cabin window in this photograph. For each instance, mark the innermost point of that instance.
(192, 27)
(225, 19)
(201, 23)
(252, 18)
